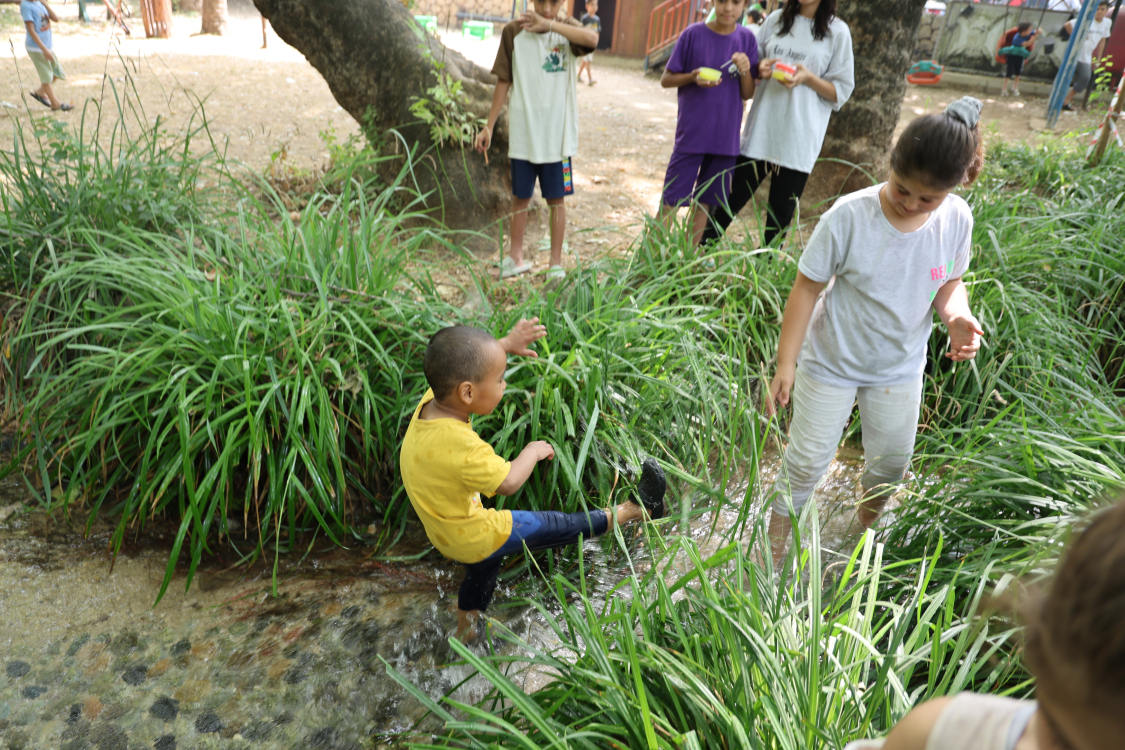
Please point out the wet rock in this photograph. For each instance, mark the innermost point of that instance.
(283, 718)
(351, 612)
(92, 708)
(166, 742)
(160, 668)
(78, 643)
(17, 669)
(125, 643)
(135, 675)
(257, 731)
(295, 676)
(192, 691)
(31, 692)
(75, 714)
(76, 743)
(208, 723)
(114, 711)
(165, 709)
(17, 740)
(109, 737)
(181, 648)
(330, 739)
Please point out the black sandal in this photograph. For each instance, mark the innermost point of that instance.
(41, 99)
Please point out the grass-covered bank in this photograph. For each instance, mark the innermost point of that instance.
(176, 346)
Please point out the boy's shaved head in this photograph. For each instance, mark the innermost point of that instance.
(456, 355)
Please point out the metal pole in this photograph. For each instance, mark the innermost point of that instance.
(1070, 61)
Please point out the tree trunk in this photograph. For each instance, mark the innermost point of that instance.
(374, 59)
(883, 34)
(214, 17)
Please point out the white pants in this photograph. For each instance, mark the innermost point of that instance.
(820, 412)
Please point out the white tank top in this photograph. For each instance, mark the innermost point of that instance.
(973, 722)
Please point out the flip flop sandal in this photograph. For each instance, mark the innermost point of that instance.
(508, 268)
(41, 99)
(63, 108)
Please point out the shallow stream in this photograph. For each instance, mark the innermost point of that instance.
(87, 661)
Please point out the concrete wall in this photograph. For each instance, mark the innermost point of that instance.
(446, 10)
(968, 42)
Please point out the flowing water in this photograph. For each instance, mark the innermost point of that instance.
(87, 661)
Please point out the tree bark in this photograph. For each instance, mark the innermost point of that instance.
(214, 17)
(883, 34)
(374, 59)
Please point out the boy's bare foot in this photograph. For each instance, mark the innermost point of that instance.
(466, 626)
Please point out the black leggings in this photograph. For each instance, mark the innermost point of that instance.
(786, 186)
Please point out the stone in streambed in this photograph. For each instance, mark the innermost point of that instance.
(166, 742)
(17, 669)
(135, 675)
(208, 723)
(165, 709)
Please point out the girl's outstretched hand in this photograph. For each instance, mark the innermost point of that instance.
(765, 67)
(522, 334)
(780, 388)
(964, 338)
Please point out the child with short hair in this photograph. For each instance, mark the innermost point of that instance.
(536, 62)
(894, 254)
(1017, 49)
(709, 112)
(590, 20)
(1075, 648)
(1092, 47)
(446, 466)
(37, 17)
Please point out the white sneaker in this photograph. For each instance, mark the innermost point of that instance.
(1015, 92)
(556, 272)
(508, 268)
(1003, 92)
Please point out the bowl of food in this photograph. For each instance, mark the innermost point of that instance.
(709, 74)
(783, 72)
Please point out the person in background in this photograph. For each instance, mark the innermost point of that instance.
(1092, 47)
(1023, 38)
(591, 21)
(37, 17)
(786, 125)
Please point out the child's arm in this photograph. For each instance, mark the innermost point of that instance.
(583, 36)
(826, 89)
(524, 333)
(35, 38)
(671, 80)
(50, 11)
(499, 96)
(798, 311)
(952, 305)
(746, 84)
(913, 731)
(523, 465)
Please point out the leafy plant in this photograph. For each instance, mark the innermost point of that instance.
(445, 111)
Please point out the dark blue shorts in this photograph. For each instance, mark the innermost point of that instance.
(555, 180)
(544, 529)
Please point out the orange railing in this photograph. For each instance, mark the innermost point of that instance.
(669, 19)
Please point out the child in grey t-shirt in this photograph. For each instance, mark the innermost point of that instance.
(887, 257)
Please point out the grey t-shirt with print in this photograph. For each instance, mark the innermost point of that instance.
(872, 324)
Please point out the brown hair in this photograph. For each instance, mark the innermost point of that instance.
(1079, 623)
(825, 12)
(1021, 28)
(940, 151)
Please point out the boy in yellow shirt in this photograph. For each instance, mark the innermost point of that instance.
(445, 466)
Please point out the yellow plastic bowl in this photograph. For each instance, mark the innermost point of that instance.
(709, 74)
(781, 71)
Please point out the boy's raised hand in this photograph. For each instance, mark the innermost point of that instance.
(522, 334)
(535, 23)
(964, 338)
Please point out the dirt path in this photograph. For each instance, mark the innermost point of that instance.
(269, 102)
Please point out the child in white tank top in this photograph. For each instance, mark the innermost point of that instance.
(1075, 647)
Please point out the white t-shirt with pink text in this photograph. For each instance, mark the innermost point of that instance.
(872, 324)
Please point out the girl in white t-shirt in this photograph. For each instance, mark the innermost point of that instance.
(886, 257)
(1073, 645)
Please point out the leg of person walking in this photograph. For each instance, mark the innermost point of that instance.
(890, 424)
(748, 175)
(786, 187)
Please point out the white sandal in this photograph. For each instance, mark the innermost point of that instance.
(508, 268)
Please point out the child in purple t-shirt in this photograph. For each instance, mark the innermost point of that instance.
(710, 111)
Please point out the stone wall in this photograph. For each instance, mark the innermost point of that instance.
(965, 38)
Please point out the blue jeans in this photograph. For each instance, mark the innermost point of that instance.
(544, 529)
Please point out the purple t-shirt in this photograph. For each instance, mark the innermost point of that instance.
(709, 119)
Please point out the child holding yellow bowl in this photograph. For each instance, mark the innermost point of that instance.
(711, 66)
